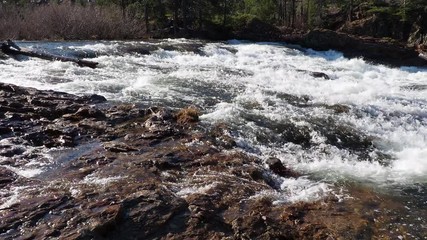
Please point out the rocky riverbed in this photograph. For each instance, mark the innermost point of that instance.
(119, 171)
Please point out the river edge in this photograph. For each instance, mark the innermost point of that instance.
(156, 173)
(385, 51)
(376, 50)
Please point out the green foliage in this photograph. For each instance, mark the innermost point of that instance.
(164, 15)
(263, 9)
(382, 10)
(136, 10)
(241, 20)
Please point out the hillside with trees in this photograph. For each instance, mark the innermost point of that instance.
(402, 20)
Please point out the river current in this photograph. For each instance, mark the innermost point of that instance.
(356, 122)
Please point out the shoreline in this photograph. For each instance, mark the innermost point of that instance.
(154, 173)
(381, 51)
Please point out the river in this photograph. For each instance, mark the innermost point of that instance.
(333, 119)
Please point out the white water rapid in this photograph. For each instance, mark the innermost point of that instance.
(367, 123)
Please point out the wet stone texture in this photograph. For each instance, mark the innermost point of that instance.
(122, 172)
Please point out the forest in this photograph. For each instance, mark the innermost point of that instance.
(133, 19)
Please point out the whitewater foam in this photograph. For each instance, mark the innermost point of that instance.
(239, 82)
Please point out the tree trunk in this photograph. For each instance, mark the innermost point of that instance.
(123, 7)
(147, 25)
(350, 11)
(175, 17)
(293, 13)
(184, 15)
(285, 13)
(200, 19)
(224, 20)
(47, 56)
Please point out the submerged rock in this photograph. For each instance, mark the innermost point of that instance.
(343, 136)
(316, 74)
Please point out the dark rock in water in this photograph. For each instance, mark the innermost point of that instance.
(6, 177)
(193, 48)
(295, 134)
(10, 150)
(280, 132)
(320, 75)
(141, 50)
(316, 74)
(94, 98)
(343, 136)
(338, 108)
(278, 168)
(144, 49)
(4, 130)
(417, 87)
(122, 172)
(84, 54)
(299, 101)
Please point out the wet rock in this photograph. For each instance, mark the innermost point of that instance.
(320, 75)
(94, 98)
(338, 108)
(415, 87)
(299, 101)
(6, 88)
(279, 132)
(5, 130)
(118, 147)
(316, 74)
(222, 136)
(143, 50)
(194, 48)
(295, 134)
(276, 166)
(343, 136)
(123, 172)
(6, 177)
(85, 112)
(51, 138)
(10, 150)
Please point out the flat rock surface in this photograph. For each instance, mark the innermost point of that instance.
(80, 168)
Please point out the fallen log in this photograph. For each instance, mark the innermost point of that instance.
(7, 49)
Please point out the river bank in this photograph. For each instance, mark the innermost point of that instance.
(386, 51)
(154, 173)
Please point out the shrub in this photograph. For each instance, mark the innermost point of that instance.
(67, 22)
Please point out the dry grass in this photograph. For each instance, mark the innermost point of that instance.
(188, 115)
(67, 22)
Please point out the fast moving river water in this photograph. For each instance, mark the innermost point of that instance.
(366, 124)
